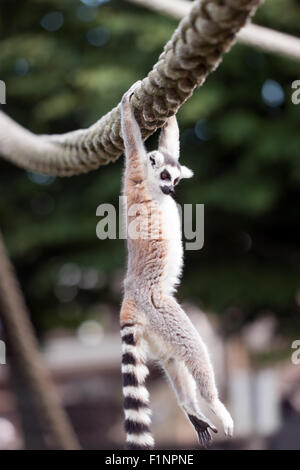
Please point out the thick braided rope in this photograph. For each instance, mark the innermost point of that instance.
(194, 50)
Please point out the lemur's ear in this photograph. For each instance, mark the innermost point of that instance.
(169, 138)
(156, 159)
(186, 172)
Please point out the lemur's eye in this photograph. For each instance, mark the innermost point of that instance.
(165, 175)
(176, 181)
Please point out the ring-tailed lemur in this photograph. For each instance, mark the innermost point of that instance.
(150, 313)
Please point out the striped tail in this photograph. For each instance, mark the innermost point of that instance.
(136, 396)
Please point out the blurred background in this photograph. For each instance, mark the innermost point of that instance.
(65, 64)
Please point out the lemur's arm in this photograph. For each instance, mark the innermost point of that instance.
(135, 152)
(169, 138)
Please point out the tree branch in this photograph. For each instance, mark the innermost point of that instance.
(22, 340)
(266, 39)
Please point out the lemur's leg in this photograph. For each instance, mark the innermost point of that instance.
(172, 325)
(134, 373)
(185, 389)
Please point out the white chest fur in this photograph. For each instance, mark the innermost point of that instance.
(172, 232)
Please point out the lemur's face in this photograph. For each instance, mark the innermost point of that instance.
(164, 172)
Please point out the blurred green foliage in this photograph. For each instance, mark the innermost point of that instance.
(239, 133)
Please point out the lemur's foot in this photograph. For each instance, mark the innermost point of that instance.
(202, 427)
(130, 92)
(219, 409)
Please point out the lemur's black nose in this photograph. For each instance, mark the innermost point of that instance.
(167, 189)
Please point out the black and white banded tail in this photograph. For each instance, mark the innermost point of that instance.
(136, 396)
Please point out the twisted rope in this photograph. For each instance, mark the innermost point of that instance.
(194, 50)
(18, 328)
